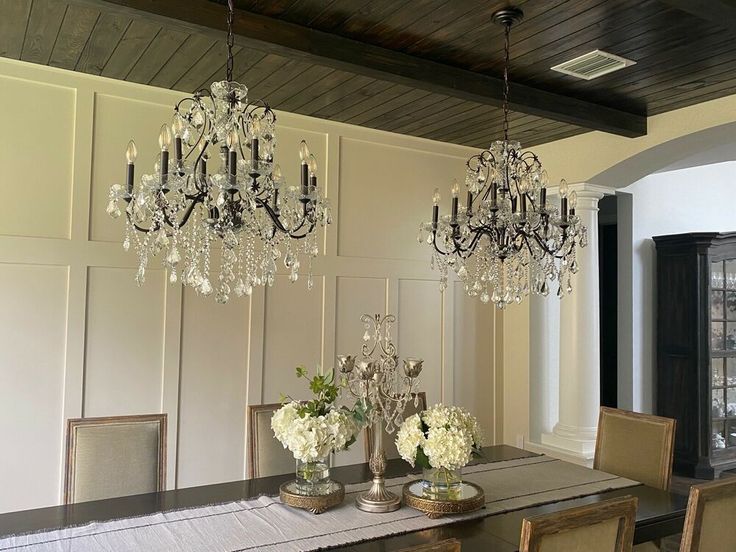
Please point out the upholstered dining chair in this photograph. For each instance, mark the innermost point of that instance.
(389, 439)
(636, 446)
(606, 526)
(114, 456)
(266, 455)
(710, 525)
(447, 545)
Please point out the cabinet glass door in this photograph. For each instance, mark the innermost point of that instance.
(723, 355)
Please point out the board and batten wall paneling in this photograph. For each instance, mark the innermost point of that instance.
(419, 334)
(292, 336)
(213, 390)
(32, 343)
(81, 338)
(385, 192)
(125, 342)
(38, 119)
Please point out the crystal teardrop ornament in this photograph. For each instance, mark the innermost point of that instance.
(173, 258)
(112, 209)
(205, 288)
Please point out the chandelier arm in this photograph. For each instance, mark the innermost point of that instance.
(278, 224)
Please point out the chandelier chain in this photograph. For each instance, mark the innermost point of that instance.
(230, 40)
(506, 61)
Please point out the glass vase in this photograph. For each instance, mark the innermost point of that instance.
(313, 477)
(442, 484)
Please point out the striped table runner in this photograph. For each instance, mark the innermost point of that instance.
(266, 525)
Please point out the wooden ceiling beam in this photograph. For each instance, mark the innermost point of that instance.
(317, 47)
(721, 12)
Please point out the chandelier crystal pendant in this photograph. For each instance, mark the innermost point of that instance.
(508, 240)
(224, 231)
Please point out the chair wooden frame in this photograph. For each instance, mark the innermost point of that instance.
(699, 496)
(71, 445)
(669, 425)
(534, 529)
(447, 545)
(253, 410)
(369, 429)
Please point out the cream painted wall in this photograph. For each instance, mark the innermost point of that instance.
(596, 156)
(79, 338)
(581, 158)
(659, 209)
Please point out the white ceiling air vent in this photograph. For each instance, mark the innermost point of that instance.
(593, 65)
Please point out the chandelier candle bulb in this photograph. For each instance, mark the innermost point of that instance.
(178, 128)
(455, 192)
(131, 152)
(164, 141)
(312, 173)
(232, 162)
(254, 154)
(563, 199)
(573, 202)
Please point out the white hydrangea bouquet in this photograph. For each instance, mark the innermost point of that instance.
(441, 440)
(311, 430)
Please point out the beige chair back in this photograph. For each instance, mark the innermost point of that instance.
(636, 446)
(601, 527)
(710, 523)
(389, 439)
(447, 545)
(114, 456)
(266, 455)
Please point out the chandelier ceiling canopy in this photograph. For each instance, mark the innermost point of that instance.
(507, 241)
(221, 231)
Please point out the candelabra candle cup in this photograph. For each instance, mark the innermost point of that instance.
(346, 363)
(366, 369)
(413, 367)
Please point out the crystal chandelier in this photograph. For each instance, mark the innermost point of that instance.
(508, 241)
(221, 231)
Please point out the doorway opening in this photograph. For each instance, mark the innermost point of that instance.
(608, 288)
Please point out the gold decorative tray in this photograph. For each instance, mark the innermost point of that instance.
(471, 498)
(289, 494)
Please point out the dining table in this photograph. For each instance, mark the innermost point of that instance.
(660, 513)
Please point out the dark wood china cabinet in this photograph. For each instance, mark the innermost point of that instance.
(696, 348)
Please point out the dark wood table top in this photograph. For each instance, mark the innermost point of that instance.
(660, 513)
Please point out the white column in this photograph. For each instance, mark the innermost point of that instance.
(544, 346)
(579, 379)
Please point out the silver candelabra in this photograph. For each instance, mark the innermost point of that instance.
(373, 378)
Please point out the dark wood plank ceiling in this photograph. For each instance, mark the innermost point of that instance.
(682, 57)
